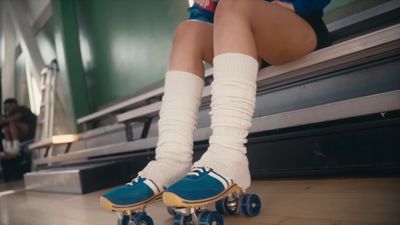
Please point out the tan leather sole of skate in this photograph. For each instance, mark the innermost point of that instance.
(123, 208)
(171, 199)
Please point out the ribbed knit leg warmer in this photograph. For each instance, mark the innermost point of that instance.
(233, 102)
(176, 127)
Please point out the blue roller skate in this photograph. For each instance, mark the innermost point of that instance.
(130, 201)
(189, 196)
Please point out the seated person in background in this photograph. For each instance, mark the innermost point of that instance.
(19, 124)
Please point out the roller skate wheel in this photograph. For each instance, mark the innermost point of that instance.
(123, 220)
(226, 208)
(182, 220)
(141, 219)
(210, 218)
(250, 205)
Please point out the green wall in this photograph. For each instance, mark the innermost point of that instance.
(72, 75)
(125, 44)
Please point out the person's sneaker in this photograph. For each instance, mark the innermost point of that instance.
(12, 150)
(7, 155)
(131, 196)
(198, 188)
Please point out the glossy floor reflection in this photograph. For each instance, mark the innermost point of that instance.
(349, 201)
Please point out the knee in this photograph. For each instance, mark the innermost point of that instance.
(192, 37)
(188, 30)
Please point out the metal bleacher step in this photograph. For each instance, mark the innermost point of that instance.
(80, 179)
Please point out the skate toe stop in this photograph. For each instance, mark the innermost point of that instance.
(105, 203)
(171, 199)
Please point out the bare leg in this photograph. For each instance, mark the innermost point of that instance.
(183, 88)
(268, 31)
(244, 31)
(193, 43)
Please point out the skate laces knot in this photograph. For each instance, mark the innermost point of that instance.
(136, 180)
(197, 171)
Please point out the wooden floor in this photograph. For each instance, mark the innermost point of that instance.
(350, 201)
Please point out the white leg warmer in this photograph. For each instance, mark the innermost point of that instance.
(177, 124)
(7, 146)
(16, 146)
(233, 101)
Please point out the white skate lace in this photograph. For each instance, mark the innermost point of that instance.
(135, 180)
(198, 170)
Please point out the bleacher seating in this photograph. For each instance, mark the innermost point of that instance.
(330, 59)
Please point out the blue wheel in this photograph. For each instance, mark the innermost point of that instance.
(250, 205)
(182, 220)
(220, 206)
(123, 220)
(225, 207)
(210, 218)
(141, 219)
(171, 211)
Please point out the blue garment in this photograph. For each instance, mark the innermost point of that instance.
(305, 7)
(203, 10)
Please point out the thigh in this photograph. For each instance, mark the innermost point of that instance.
(279, 33)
